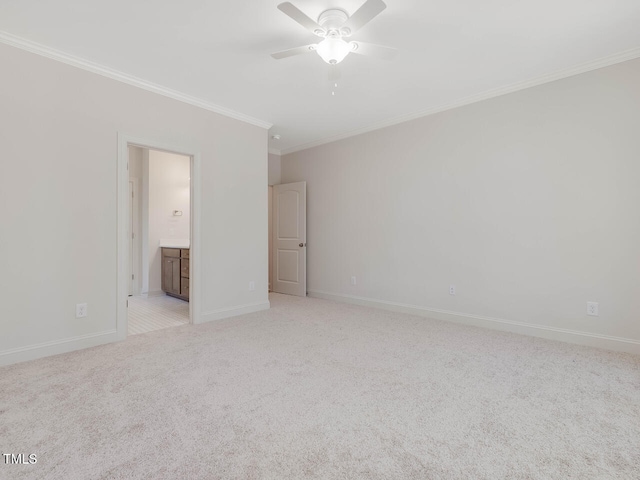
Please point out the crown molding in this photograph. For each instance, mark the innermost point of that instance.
(274, 151)
(514, 87)
(60, 56)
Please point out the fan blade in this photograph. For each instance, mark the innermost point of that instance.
(334, 73)
(372, 50)
(296, 14)
(367, 12)
(294, 51)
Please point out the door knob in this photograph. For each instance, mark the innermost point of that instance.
(302, 244)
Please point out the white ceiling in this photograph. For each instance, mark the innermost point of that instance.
(218, 52)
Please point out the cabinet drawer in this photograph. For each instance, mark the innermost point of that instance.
(184, 267)
(184, 253)
(171, 252)
(184, 287)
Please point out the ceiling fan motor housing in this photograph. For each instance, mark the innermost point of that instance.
(331, 20)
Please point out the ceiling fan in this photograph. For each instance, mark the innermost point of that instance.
(333, 26)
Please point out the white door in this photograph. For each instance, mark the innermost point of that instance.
(290, 238)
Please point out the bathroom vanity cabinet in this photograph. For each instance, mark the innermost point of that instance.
(175, 272)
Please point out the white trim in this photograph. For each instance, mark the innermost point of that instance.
(235, 311)
(55, 347)
(496, 92)
(60, 56)
(122, 239)
(552, 333)
(144, 220)
(137, 244)
(195, 262)
(154, 293)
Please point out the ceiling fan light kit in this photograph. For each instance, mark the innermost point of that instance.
(333, 50)
(334, 25)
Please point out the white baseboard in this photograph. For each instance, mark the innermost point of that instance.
(234, 311)
(32, 352)
(153, 293)
(552, 333)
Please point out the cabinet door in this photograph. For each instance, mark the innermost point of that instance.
(175, 276)
(184, 268)
(171, 275)
(166, 273)
(185, 287)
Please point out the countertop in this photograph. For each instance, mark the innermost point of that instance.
(174, 243)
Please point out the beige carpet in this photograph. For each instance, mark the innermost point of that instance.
(314, 389)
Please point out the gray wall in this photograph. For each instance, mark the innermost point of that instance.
(528, 203)
(59, 130)
(274, 169)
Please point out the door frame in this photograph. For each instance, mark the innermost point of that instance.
(135, 251)
(122, 247)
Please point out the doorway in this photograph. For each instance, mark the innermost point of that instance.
(158, 236)
(159, 295)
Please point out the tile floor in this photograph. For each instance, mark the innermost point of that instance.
(154, 313)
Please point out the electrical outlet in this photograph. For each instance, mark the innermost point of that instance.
(592, 309)
(353, 280)
(252, 286)
(452, 289)
(81, 310)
